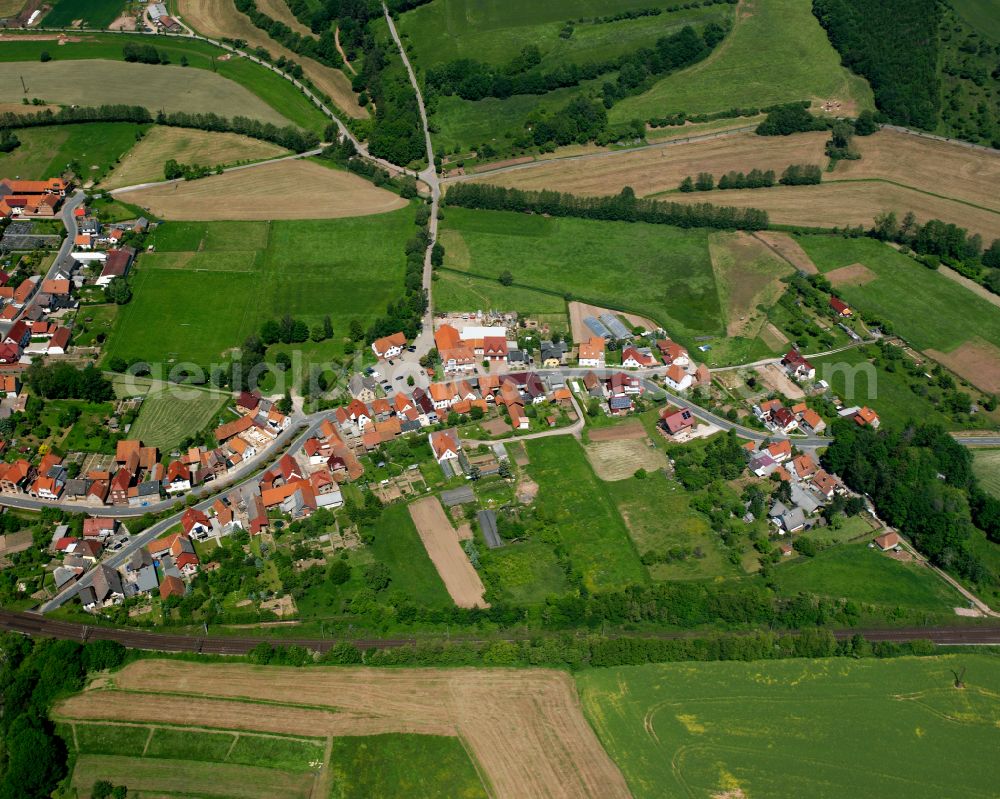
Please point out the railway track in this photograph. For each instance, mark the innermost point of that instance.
(44, 627)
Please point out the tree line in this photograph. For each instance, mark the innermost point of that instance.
(921, 481)
(473, 80)
(289, 137)
(624, 207)
(894, 44)
(322, 49)
(144, 54)
(785, 120)
(705, 181)
(65, 381)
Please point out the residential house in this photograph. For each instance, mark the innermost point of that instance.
(780, 451)
(826, 484)
(15, 477)
(840, 307)
(553, 354)
(675, 420)
(518, 420)
(677, 379)
(98, 527)
(673, 353)
(105, 589)
(389, 346)
(797, 366)
(634, 358)
(178, 478)
(445, 445)
(172, 586)
(195, 523)
(495, 348)
(887, 541)
(811, 421)
(866, 416)
(591, 353)
(59, 342)
(118, 262)
(362, 387)
(247, 401)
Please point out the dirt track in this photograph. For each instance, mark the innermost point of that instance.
(525, 727)
(219, 19)
(282, 190)
(441, 542)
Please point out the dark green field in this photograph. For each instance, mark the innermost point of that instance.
(211, 284)
(94, 13)
(824, 729)
(583, 509)
(397, 544)
(657, 271)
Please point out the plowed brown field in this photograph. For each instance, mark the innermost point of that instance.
(219, 19)
(441, 542)
(524, 727)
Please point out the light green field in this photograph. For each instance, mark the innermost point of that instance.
(983, 15)
(496, 32)
(926, 308)
(776, 53)
(855, 572)
(47, 152)
(397, 544)
(236, 275)
(398, 765)
(525, 573)
(824, 729)
(986, 466)
(464, 292)
(660, 272)
(169, 415)
(94, 13)
(584, 510)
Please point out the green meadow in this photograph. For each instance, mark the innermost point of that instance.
(986, 466)
(209, 285)
(657, 271)
(45, 152)
(896, 729)
(776, 53)
(93, 13)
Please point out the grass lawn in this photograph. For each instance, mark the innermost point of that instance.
(397, 544)
(94, 13)
(661, 272)
(776, 53)
(659, 515)
(169, 415)
(96, 739)
(790, 729)
(211, 284)
(584, 510)
(396, 764)
(986, 466)
(523, 574)
(272, 89)
(189, 745)
(855, 572)
(926, 308)
(47, 151)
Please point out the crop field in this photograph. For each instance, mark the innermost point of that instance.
(583, 509)
(660, 272)
(11, 8)
(849, 203)
(279, 94)
(443, 548)
(748, 275)
(279, 10)
(398, 545)
(144, 163)
(986, 466)
(789, 729)
(860, 574)
(220, 19)
(93, 13)
(46, 151)
(748, 70)
(496, 32)
(524, 730)
(169, 415)
(97, 82)
(927, 309)
(946, 169)
(658, 514)
(304, 268)
(660, 168)
(268, 191)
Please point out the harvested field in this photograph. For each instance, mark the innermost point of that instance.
(662, 167)
(279, 10)
(250, 195)
(98, 82)
(21, 108)
(620, 459)
(977, 361)
(525, 728)
(620, 432)
(190, 778)
(220, 19)
(853, 275)
(441, 542)
(789, 249)
(748, 274)
(578, 311)
(851, 203)
(774, 377)
(144, 163)
(11, 8)
(944, 168)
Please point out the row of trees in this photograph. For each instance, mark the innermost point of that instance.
(788, 119)
(921, 481)
(894, 44)
(473, 80)
(705, 181)
(322, 48)
(65, 381)
(173, 170)
(144, 54)
(625, 207)
(289, 137)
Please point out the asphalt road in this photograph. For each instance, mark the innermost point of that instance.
(44, 627)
